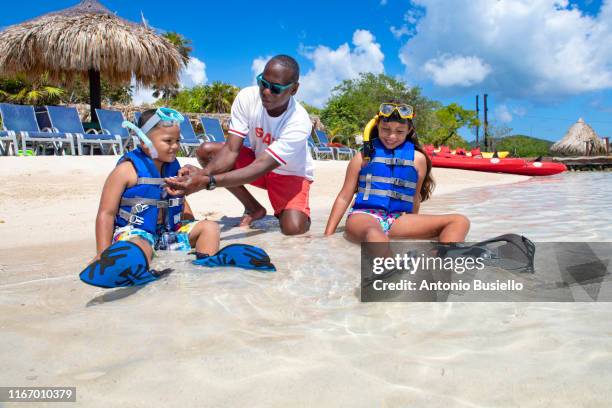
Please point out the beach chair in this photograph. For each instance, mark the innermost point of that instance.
(8, 142)
(190, 140)
(67, 120)
(318, 151)
(212, 129)
(324, 141)
(110, 124)
(21, 120)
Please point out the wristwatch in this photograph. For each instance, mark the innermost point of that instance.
(212, 183)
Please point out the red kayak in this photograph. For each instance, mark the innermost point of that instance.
(495, 165)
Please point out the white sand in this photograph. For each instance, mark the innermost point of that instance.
(50, 199)
(297, 337)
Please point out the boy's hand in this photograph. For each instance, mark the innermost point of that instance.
(189, 180)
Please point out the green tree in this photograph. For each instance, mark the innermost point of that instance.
(354, 102)
(188, 100)
(447, 121)
(78, 92)
(181, 43)
(215, 98)
(21, 90)
(219, 97)
(313, 110)
(523, 146)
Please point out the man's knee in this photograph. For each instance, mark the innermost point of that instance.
(294, 222)
(206, 151)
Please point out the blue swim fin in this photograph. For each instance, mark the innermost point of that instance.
(121, 264)
(239, 256)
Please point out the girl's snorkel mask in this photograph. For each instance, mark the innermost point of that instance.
(165, 117)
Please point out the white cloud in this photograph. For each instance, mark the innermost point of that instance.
(194, 74)
(142, 95)
(190, 76)
(519, 111)
(503, 114)
(333, 66)
(545, 49)
(457, 70)
(400, 32)
(258, 66)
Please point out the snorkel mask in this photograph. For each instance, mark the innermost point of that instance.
(385, 110)
(165, 117)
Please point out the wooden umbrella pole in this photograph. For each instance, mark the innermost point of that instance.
(95, 93)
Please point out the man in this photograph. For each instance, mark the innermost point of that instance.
(277, 127)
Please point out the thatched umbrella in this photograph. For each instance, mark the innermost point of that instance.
(575, 141)
(88, 41)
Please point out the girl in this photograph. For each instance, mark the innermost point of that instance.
(391, 177)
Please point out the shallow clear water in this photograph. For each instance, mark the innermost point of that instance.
(300, 336)
(572, 206)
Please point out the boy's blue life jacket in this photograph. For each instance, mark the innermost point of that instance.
(388, 182)
(141, 203)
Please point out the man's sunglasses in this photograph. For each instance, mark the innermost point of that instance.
(276, 89)
(404, 111)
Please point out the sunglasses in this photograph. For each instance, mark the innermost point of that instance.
(276, 89)
(404, 111)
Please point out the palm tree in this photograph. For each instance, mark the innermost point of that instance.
(22, 91)
(219, 97)
(182, 45)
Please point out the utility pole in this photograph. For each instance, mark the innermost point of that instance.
(486, 123)
(477, 117)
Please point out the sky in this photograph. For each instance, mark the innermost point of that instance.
(543, 63)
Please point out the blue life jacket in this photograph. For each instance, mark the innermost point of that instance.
(388, 182)
(140, 204)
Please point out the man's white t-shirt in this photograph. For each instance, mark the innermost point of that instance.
(285, 137)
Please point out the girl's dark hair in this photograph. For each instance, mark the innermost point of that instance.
(144, 116)
(428, 182)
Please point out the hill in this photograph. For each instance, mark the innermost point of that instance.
(522, 145)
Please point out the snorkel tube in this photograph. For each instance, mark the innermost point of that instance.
(145, 139)
(367, 143)
(164, 116)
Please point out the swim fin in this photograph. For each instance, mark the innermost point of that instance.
(509, 251)
(121, 264)
(239, 256)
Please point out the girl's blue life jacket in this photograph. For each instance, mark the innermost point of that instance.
(141, 203)
(388, 182)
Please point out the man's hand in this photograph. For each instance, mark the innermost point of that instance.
(189, 180)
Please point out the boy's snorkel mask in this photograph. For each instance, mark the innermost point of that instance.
(385, 111)
(165, 117)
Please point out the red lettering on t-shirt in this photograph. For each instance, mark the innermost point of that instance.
(267, 139)
(259, 132)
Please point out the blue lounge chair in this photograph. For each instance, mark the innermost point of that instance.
(214, 132)
(324, 140)
(67, 120)
(212, 129)
(319, 151)
(190, 140)
(110, 124)
(21, 120)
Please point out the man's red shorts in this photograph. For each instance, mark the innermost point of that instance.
(285, 192)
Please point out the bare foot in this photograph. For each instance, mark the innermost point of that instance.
(250, 216)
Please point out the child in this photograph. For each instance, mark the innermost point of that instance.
(391, 177)
(135, 206)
